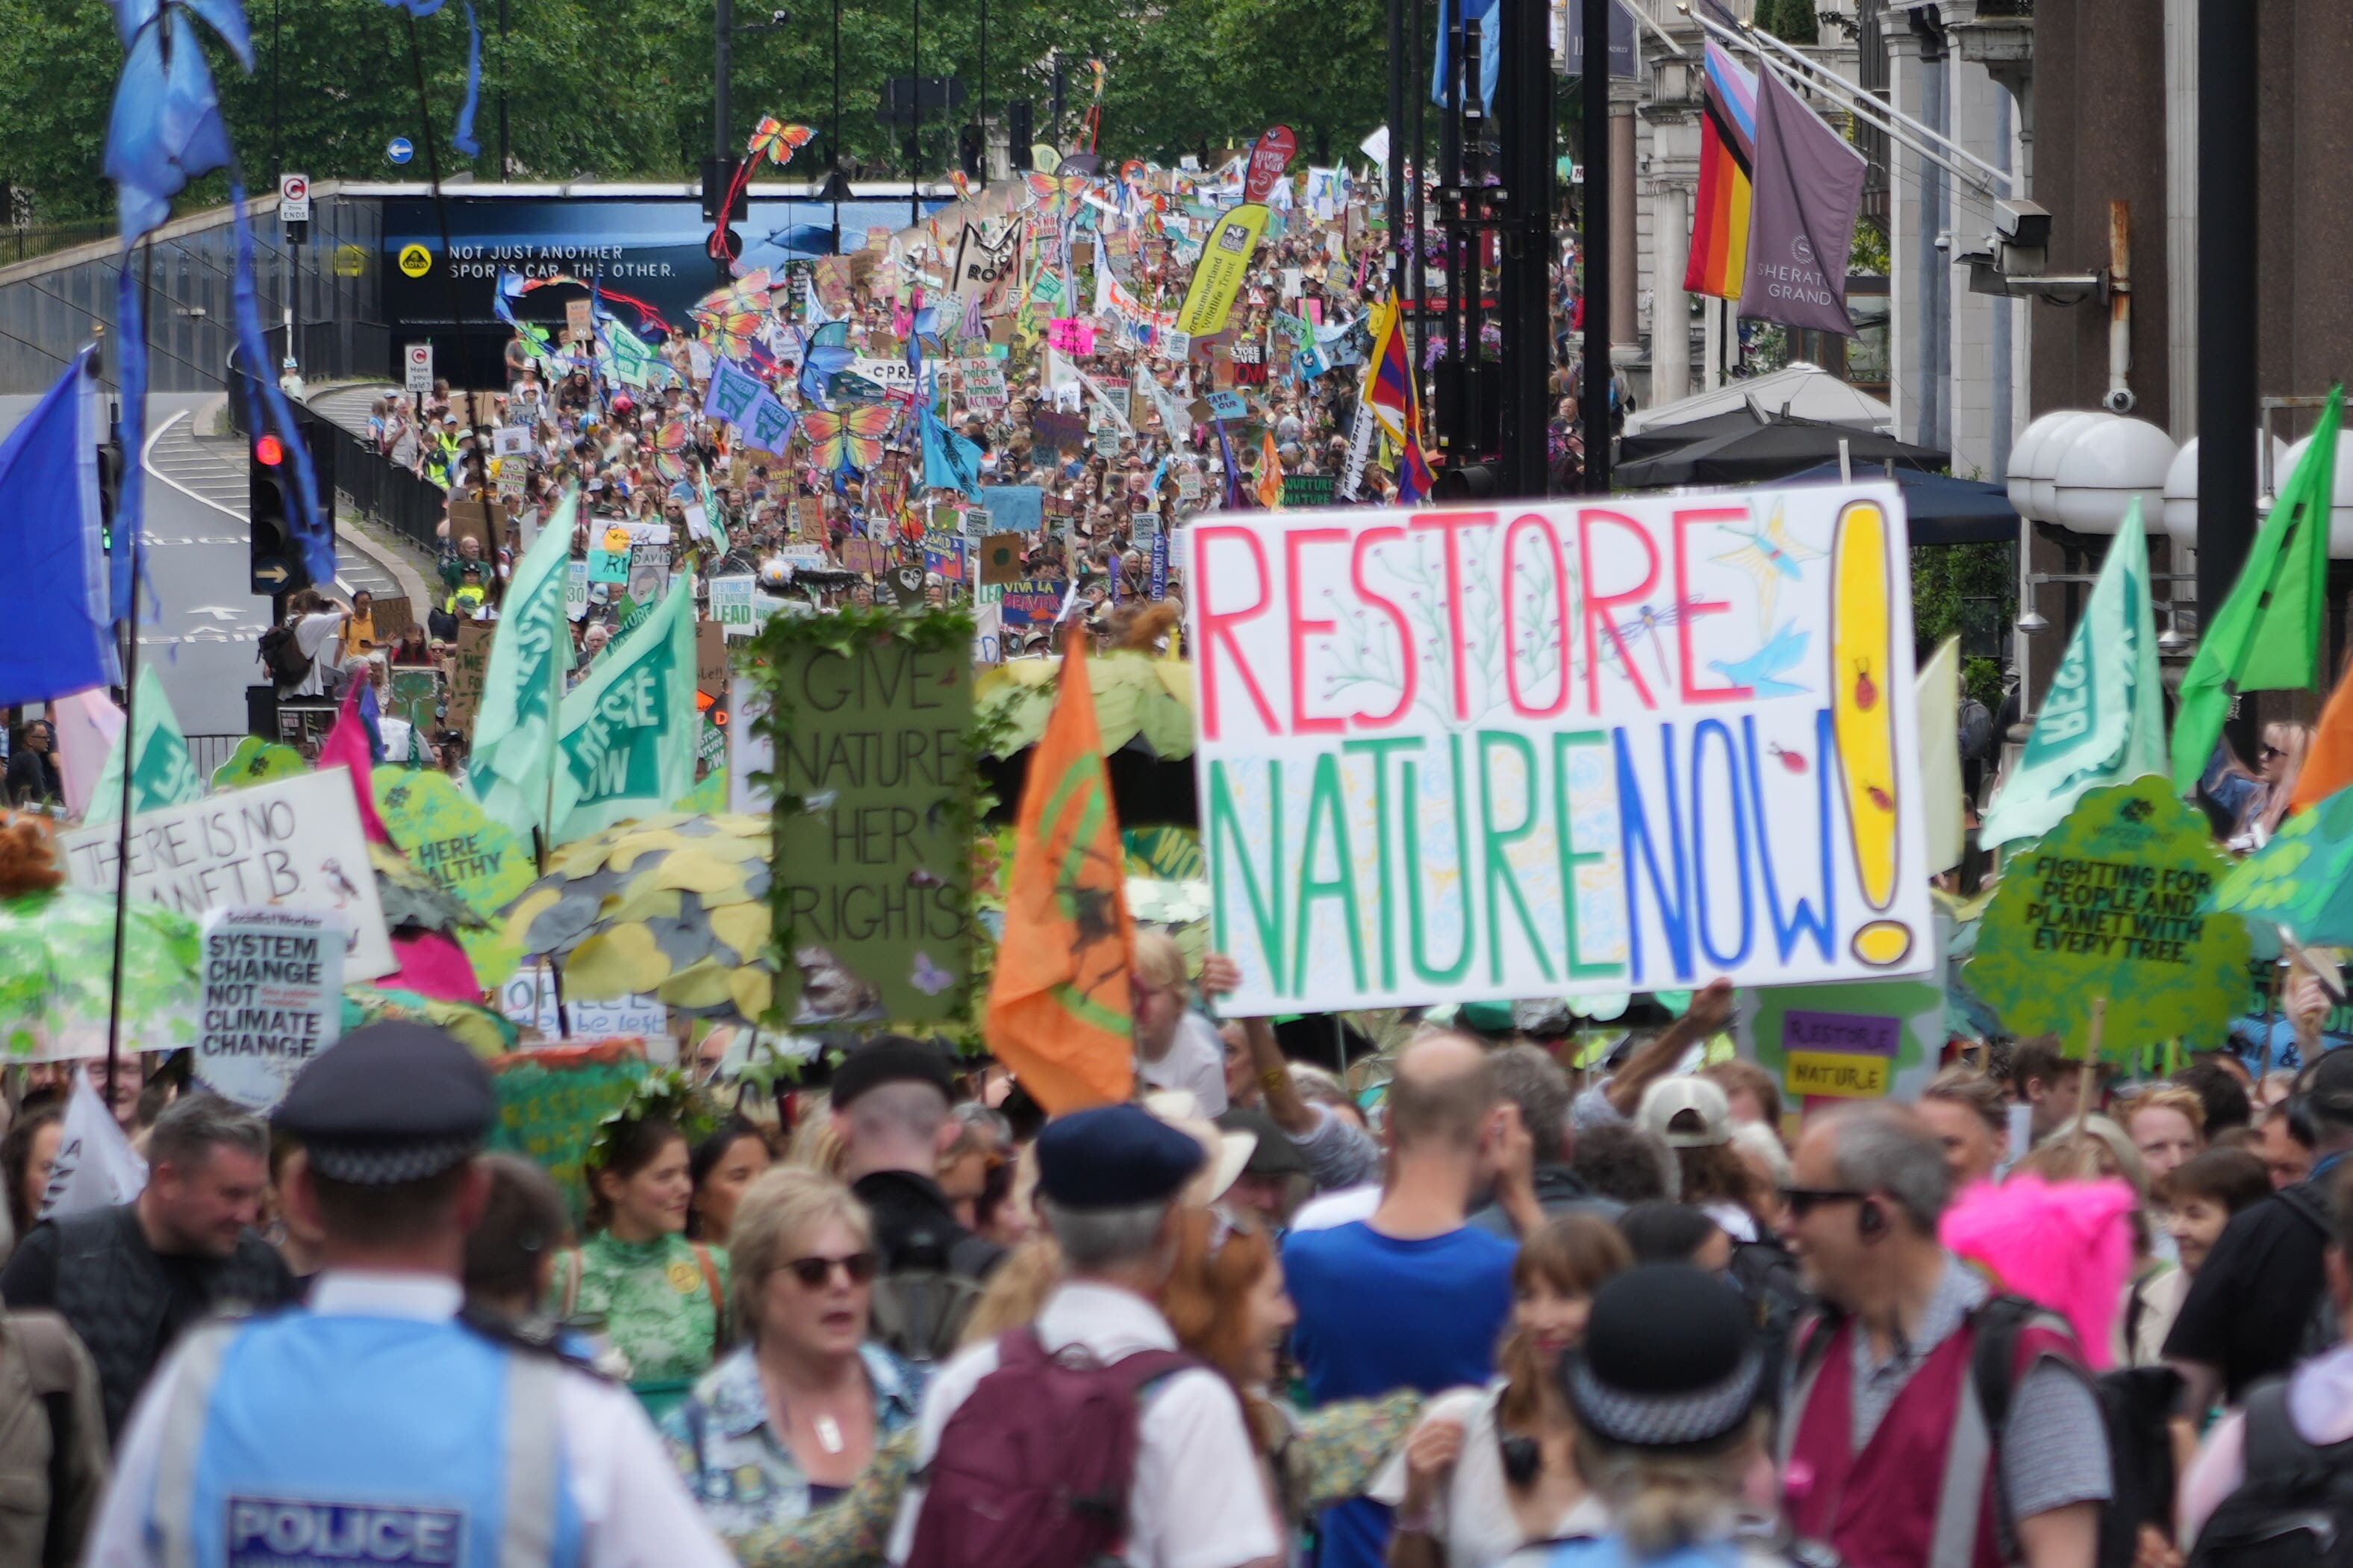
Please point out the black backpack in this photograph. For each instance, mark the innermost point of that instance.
(281, 656)
(1976, 731)
(924, 1297)
(2134, 1403)
(2294, 1510)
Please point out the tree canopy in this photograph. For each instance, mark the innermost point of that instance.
(622, 90)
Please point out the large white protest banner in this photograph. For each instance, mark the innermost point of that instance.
(273, 998)
(96, 1167)
(1549, 749)
(295, 843)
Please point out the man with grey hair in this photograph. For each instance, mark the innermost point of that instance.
(129, 1278)
(1886, 1454)
(1109, 1182)
(1529, 1078)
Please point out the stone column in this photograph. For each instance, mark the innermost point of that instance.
(1625, 328)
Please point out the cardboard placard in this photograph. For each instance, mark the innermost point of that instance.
(1001, 559)
(469, 665)
(711, 658)
(864, 555)
(478, 519)
(295, 843)
(391, 618)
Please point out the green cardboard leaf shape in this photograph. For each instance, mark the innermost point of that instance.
(256, 760)
(445, 834)
(2113, 902)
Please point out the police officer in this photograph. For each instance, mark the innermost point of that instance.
(374, 1425)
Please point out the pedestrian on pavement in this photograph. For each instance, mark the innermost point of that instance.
(378, 1413)
(129, 1280)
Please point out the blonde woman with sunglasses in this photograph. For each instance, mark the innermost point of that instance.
(787, 1420)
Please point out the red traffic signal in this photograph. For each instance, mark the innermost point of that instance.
(269, 450)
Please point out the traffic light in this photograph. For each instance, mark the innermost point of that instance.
(275, 566)
(1018, 135)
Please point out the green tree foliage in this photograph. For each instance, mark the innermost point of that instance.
(1965, 591)
(1791, 21)
(622, 88)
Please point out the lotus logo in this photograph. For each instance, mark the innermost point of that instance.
(1804, 250)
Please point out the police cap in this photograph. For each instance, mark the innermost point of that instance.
(392, 1102)
(1115, 1157)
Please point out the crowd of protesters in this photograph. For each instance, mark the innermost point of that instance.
(1458, 1304)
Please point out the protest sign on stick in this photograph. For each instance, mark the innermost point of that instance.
(1555, 749)
(295, 843)
(273, 999)
(875, 744)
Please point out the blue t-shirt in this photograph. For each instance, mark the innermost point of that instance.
(1378, 1314)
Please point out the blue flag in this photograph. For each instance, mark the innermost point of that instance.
(53, 600)
(951, 462)
(1489, 17)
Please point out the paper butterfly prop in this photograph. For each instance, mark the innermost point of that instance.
(777, 142)
(730, 318)
(851, 437)
(669, 448)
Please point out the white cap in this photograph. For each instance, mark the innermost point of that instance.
(1688, 1112)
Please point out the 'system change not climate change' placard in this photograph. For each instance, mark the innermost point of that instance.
(1548, 749)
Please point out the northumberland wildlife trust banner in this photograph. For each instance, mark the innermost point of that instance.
(1550, 749)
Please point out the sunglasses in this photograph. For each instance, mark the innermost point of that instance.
(858, 1267)
(1801, 1200)
(2268, 752)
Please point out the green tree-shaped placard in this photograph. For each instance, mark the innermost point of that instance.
(2112, 903)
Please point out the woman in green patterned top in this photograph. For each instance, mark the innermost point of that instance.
(661, 1298)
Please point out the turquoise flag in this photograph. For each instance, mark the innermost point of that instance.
(626, 741)
(2103, 720)
(165, 774)
(513, 752)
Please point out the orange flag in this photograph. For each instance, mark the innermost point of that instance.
(1060, 1014)
(2329, 762)
(1269, 472)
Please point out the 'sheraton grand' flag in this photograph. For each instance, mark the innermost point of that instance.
(1728, 153)
(1059, 1011)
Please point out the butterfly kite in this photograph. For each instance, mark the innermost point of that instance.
(669, 445)
(850, 437)
(772, 139)
(730, 317)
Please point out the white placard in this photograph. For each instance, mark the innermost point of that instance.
(417, 363)
(737, 604)
(273, 999)
(1551, 749)
(510, 441)
(529, 998)
(296, 843)
(748, 751)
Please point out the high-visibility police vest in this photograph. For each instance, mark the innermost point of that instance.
(304, 1439)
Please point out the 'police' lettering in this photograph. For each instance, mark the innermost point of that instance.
(274, 1532)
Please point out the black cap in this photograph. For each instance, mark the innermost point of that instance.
(392, 1102)
(2330, 1087)
(1670, 1359)
(1274, 1154)
(890, 1058)
(1115, 1157)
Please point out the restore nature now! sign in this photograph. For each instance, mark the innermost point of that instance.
(1548, 749)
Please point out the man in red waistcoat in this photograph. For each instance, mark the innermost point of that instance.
(1886, 1455)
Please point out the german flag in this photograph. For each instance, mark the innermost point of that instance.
(1059, 1011)
(1727, 155)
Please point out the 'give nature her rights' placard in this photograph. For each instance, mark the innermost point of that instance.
(1548, 749)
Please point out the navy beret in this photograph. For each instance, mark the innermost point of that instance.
(394, 1101)
(1115, 1157)
(890, 1058)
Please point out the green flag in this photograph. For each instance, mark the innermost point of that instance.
(513, 752)
(2103, 720)
(626, 744)
(717, 519)
(633, 359)
(165, 774)
(2266, 636)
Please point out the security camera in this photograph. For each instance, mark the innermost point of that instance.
(2119, 401)
(2022, 223)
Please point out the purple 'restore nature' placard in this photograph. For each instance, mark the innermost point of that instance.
(1840, 1032)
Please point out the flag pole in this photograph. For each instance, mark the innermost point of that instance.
(130, 733)
(542, 834)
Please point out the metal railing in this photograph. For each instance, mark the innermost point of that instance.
(367, 481)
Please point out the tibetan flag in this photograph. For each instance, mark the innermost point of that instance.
(1727, 154)
(2266, 636)
(1059, 1011)
(1388, 390)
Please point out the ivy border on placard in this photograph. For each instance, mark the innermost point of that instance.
(842, 633)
